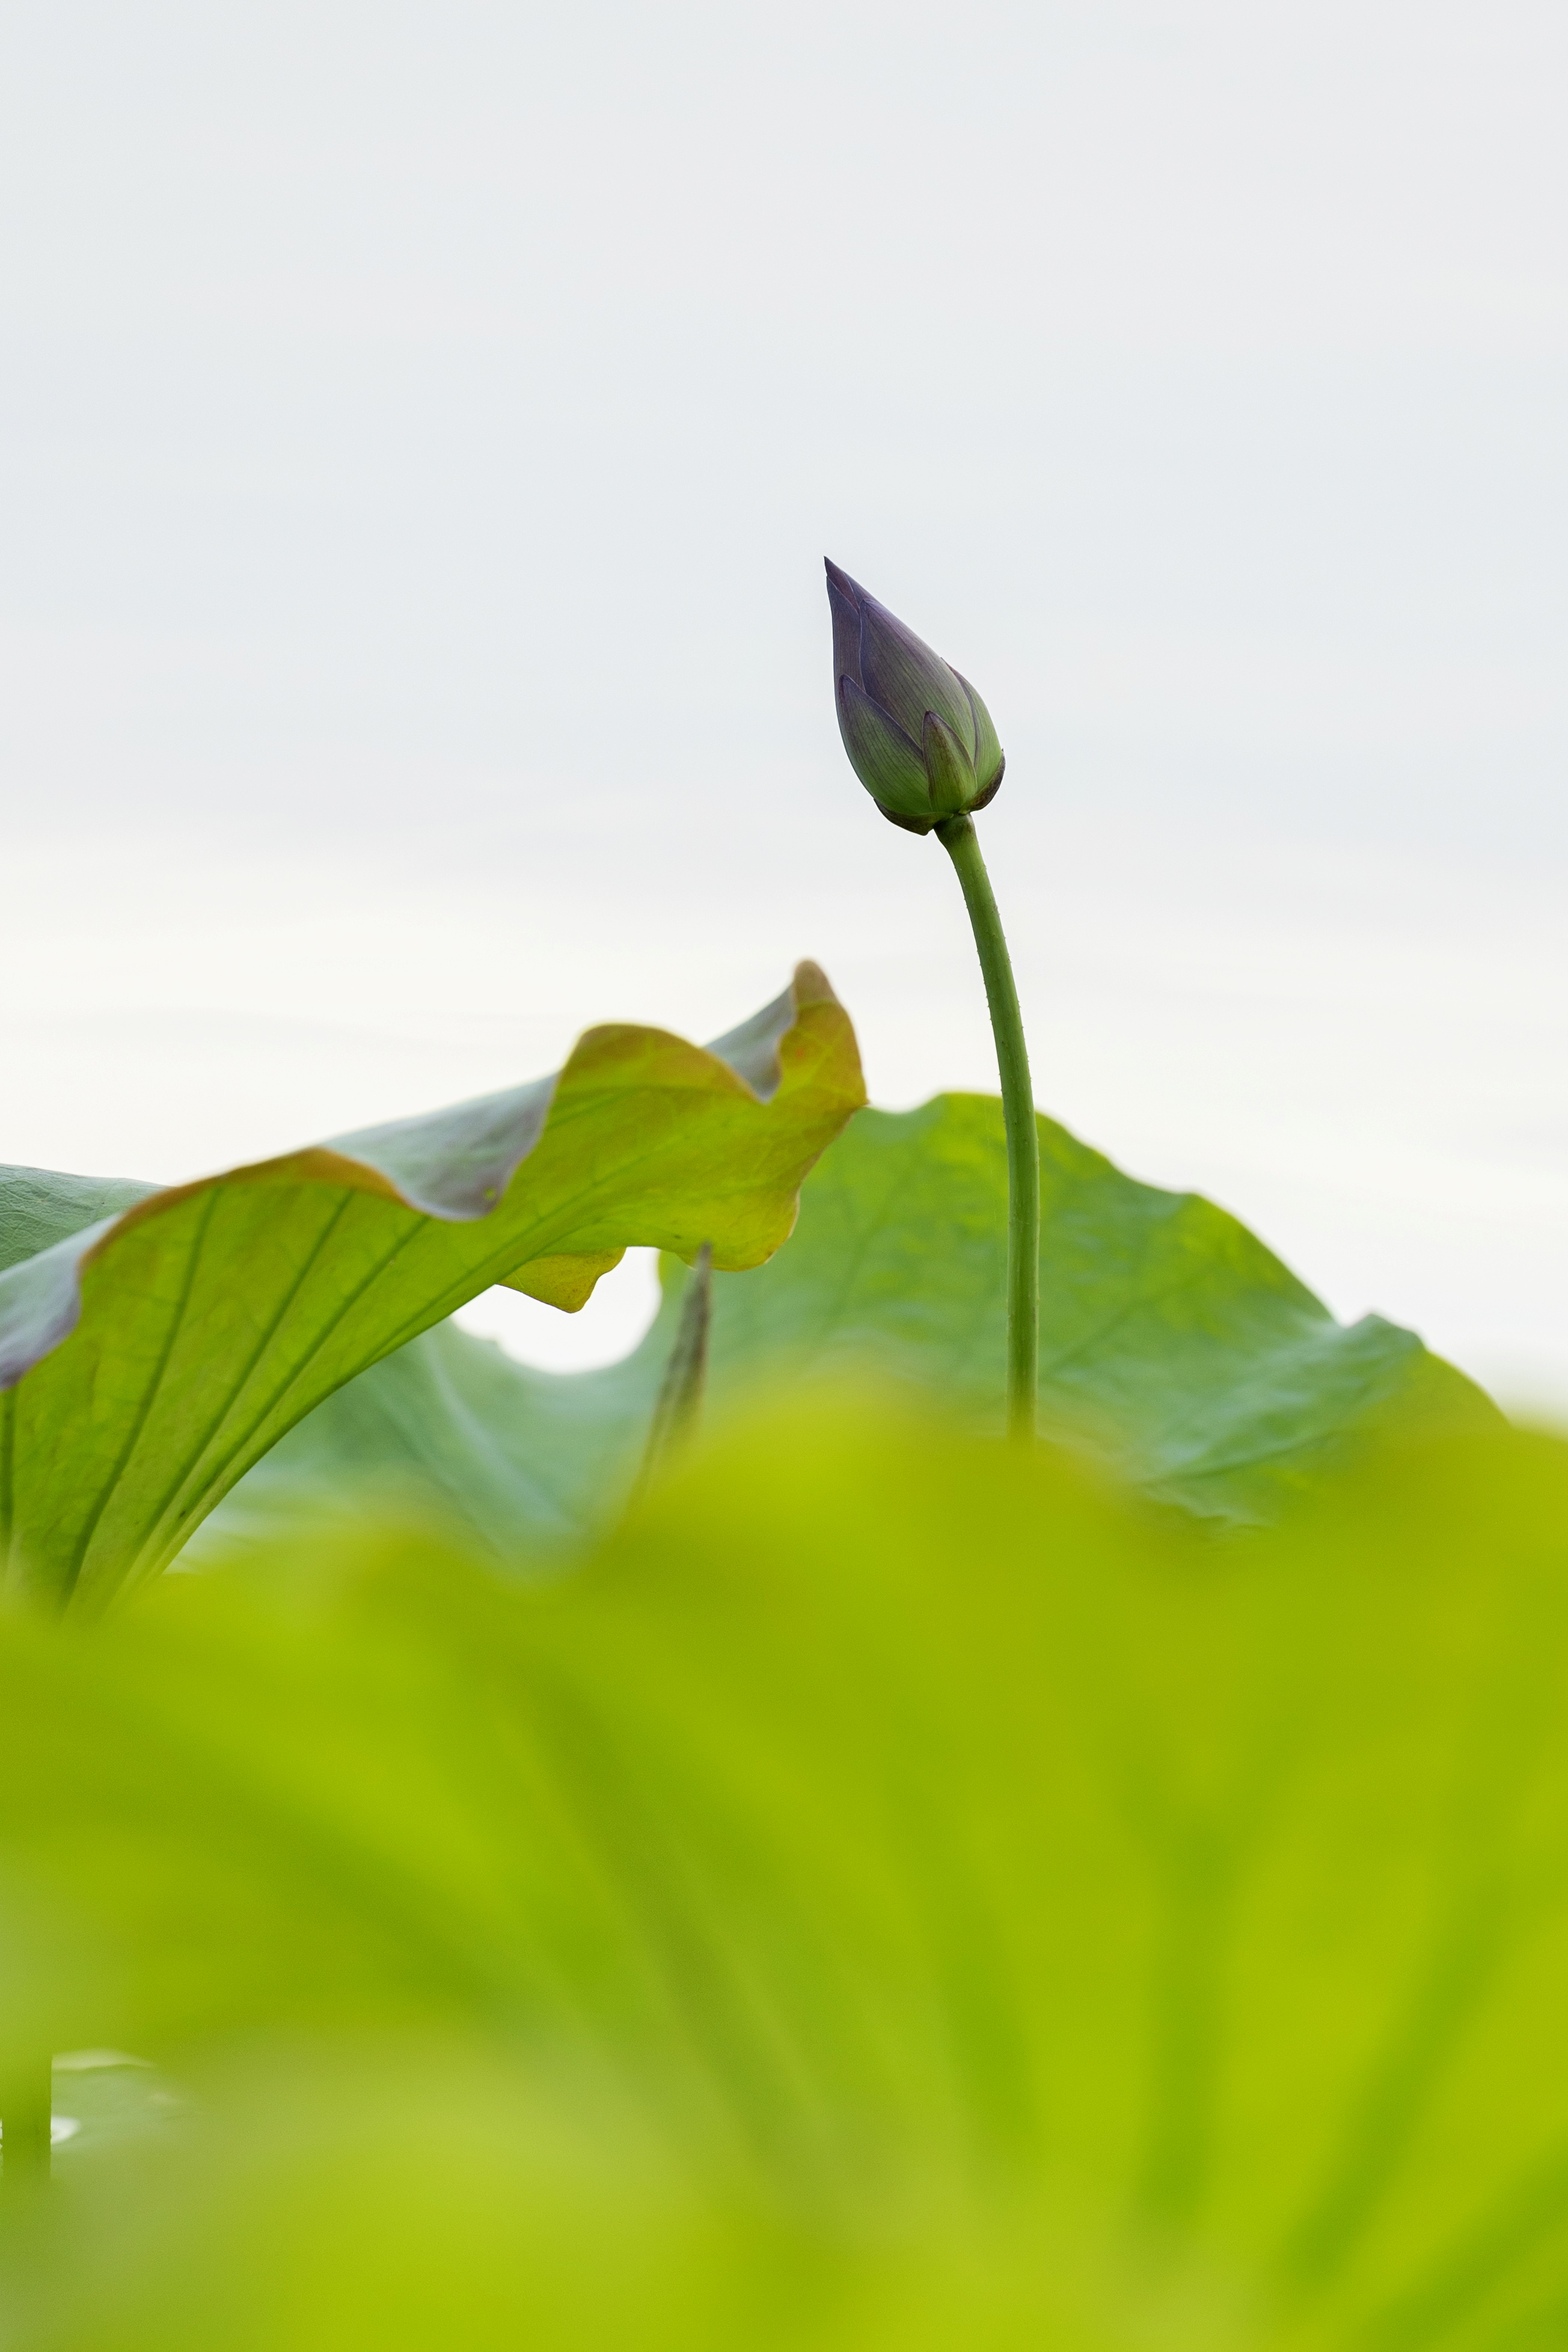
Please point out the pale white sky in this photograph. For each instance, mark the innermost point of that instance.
(422, 428)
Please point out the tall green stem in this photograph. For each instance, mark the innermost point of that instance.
(959, 838)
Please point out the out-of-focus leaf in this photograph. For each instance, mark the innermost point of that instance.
(1012, 1919)
(443, 2202)
(1172, 1343)
(445, 2197)
(150, 1356)
(102, 2098)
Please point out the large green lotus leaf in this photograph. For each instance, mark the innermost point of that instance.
(906, 1895)
(1172, 1343)
(150, 1356)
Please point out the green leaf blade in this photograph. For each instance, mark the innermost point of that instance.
(1175, 1346)
(1080, 1928)
(215, 1316)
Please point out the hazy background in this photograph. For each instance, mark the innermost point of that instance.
(423, 425)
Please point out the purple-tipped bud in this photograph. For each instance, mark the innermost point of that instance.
(918, 735)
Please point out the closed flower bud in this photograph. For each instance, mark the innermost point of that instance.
(918, 735)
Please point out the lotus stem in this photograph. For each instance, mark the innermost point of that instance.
(679, 1402)
(957, 837)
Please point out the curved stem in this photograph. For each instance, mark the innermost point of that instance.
(680, 1402)
(957, 837)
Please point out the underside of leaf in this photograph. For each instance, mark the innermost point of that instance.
(150, 1358)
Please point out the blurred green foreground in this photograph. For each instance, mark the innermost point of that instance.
(895, 1893)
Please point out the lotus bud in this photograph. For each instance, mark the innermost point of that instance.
(918, 735)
